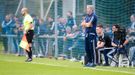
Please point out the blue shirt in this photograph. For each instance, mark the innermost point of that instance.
(7, 26)
(36, 26)
(70, 22)
(42, 29)
(61, 29)
(93, 19)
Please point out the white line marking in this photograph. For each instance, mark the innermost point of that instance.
(113, 71)
(75, 67)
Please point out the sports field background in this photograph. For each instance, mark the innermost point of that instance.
(108, 11)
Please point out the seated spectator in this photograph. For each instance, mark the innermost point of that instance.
(132, 49)
(104, 41)
(76, 43)
(68, 41)
(119, 41)
(119, 38)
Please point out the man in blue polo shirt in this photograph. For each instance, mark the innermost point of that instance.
(89, 24)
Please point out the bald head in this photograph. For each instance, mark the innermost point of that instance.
(24, 11)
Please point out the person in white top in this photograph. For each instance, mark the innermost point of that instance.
(132, 19)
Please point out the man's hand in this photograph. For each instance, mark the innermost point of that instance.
(64, 38)
(120, 46)
(83, 24)
(88, 24)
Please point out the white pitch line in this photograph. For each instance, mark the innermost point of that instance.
(113, 71)
(77, 67)
(85, 67)
(49, 64)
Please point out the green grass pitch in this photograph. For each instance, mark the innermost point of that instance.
(12, 65)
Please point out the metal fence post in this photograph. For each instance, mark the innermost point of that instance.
(56, 36)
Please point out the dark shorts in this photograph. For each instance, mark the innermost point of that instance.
(30, 35)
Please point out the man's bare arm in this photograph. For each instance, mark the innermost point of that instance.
(84, 24)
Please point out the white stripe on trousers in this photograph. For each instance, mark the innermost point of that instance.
(109, 55)
(94, 52)
(99, 52)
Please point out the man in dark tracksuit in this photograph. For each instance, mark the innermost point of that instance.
(103, 45)
(89, 24)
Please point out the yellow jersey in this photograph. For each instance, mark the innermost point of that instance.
(28, 23)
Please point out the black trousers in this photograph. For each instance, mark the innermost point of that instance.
(104, 52)
(29, 36)
(90, 45)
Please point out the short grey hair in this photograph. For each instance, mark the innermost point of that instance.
(91, 6)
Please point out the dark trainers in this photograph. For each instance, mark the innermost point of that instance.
(106, 65)
(28, 60)
(90, 65)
